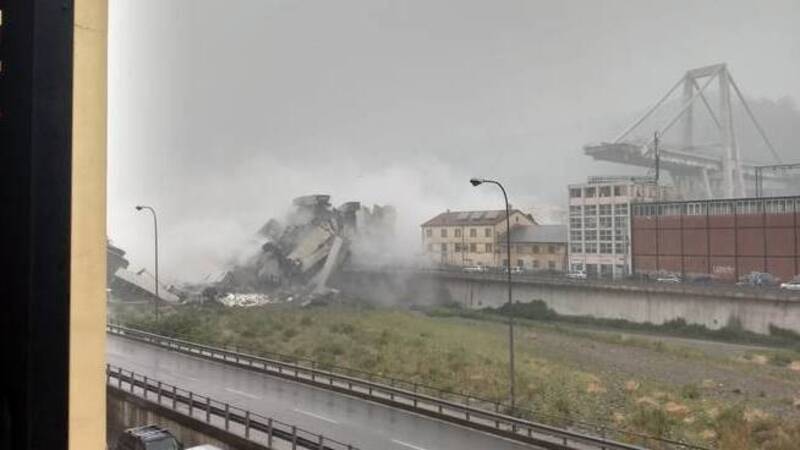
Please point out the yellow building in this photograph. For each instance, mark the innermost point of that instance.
(468, 238)
(536, 248)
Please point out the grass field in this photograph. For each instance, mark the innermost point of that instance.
(469, 355)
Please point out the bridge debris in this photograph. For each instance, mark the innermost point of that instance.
(299, 254)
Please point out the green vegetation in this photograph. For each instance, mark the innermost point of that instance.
(465, 351)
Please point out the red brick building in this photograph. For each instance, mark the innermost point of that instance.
(722, 238)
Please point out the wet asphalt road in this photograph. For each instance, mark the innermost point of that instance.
(361, 423)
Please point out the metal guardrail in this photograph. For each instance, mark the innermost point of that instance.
(235, 420)
(584, 436)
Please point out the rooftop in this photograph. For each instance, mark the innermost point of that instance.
(454, 218)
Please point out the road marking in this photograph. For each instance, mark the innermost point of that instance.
(407, 444)
(245, 394)
(176, 375)
(317, 416)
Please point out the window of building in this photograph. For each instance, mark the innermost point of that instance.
(535, 249)
(487, 232)
(487, 248)
(473, 247)
(457, 247)
(605, 191)
(591, 222)
(575, 222)
(590, 210)
(576, 248)
(576, 267)
(605, 248)
(575, 235)
(575, 193)
(620, 191)
(520, 263)
(588, 192)
(695, 209)
(644, 210)
(575, 211)
(604, 210)
(778, 206)
(444, 232)
(551, 249)
(535, 263)
(720, 208)
(457, 232)
(551, 265)
(621, 210)
(605, 235)
(590, 235)
(429, 232)
(620, 233)
(748, 206)
(444, 248)
(473, 232)
(605, 222)
(674, 209)
(590, 247)
(621, 221)
(619, 248)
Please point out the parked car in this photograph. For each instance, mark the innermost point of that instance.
(701, 279)
(514, 269)
(793, 285)
(474, 269)
(153, 437)
(577, 275)
(758, 279)
(668, 278)
(146, 438)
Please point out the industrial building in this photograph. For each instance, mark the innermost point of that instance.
(599, 228)
(724, 239)
(467, 238)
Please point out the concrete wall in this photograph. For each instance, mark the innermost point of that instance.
(654, 305)
(124, 411)
(635, 306)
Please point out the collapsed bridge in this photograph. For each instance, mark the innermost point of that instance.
(299, 253)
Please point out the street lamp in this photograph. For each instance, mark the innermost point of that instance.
(477, 182)
(155, 233)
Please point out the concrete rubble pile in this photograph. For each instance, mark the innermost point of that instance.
(299, 254)
(246, 300)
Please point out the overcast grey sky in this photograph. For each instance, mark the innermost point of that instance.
(221, 111)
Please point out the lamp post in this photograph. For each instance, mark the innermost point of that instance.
(155, 233)
(477, 182)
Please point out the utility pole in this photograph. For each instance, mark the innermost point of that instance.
(657, 156)
(155, 233)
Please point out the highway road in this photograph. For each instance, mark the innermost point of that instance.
(364, 424)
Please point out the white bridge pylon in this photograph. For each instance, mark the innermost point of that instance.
(710, 170)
